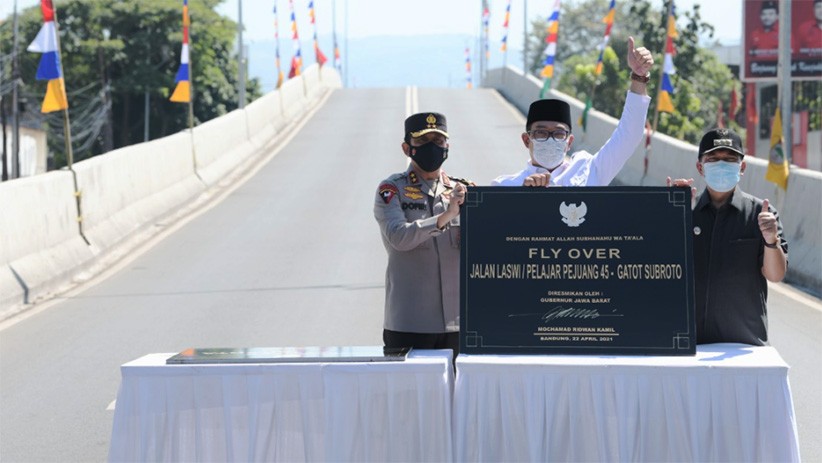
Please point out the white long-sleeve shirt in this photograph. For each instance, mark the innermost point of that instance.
(586, 169)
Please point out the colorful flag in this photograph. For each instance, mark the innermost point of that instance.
(297, 60)
(550, 49)
(319, 55)
(337, 60)
(583, 119)
(720, 115)
(777, 164)
(751, 116)
(50, 68)
(666, 89)
(280, 76)
(486, 17)
(504, 46)
(734, 105)
(468, 81)
(182, 93)
(609, 23)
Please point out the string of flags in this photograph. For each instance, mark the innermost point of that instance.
(297, 60)
(550, 48)
(280, 76)
(504, 47)
(468, 80)
(486, 18)
(49, 68)
(318, 54)
(182, 93)
(609, 23)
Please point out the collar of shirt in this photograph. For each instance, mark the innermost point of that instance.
(532, 169)
(735, 201)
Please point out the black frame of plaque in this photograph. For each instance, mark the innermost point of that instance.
(541, 274)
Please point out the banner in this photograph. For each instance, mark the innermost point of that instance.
(761, 39)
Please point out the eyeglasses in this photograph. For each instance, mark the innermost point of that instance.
(542, 135)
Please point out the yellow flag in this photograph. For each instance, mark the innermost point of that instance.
(182, 93)
(55, 98)
(777, 164)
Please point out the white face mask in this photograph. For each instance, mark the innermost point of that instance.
(549, 153)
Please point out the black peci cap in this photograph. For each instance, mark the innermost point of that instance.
(770, 5)
(720, 139)
(419, 124)
(549, 110)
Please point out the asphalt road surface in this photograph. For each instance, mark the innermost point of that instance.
(289, 256)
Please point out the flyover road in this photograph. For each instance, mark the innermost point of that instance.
(288, 255)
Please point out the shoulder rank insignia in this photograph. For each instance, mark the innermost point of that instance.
(412, 177)
(387, 192)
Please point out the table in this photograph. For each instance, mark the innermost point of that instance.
(731, 402)
(380, 411)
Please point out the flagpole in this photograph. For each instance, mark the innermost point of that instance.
(67, 135)
(661, 69)
(785, 79)
(525, 37)
(14, 156)
(240, 56)
(191, 98)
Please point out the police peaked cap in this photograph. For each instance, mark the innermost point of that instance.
(419, 124)
(549, 110)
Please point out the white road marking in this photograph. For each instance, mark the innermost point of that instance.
(111, 405)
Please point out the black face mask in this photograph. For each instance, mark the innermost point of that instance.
(429, 156)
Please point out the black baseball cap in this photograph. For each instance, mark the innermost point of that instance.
(720, 139)
(549, 110)
(419, 124)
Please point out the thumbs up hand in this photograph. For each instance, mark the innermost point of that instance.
(640, 59)
(767, 223)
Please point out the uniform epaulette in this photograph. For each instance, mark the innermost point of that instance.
(463, 181)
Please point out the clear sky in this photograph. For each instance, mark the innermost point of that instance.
(372, 63)
(411, 17)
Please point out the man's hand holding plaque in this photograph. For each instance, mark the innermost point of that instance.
(537, 180)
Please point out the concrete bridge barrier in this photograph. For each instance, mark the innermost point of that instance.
(40, 243)
(124, 193)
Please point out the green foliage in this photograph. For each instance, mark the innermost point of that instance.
(808, 97)
(141, 55)
(700, 82)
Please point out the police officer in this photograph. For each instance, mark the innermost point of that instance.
(418, 214)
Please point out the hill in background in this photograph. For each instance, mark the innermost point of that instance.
(388, 61)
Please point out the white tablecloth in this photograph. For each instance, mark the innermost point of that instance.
(730, 402)
(380, 411)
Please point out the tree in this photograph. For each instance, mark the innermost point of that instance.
(700, 83)
(140, 55)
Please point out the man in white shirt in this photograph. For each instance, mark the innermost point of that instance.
(548, 137)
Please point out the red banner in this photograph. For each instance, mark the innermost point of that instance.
(761, 39)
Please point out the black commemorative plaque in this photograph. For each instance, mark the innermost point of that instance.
(590, 271)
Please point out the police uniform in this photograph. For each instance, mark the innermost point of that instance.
(422, 277)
